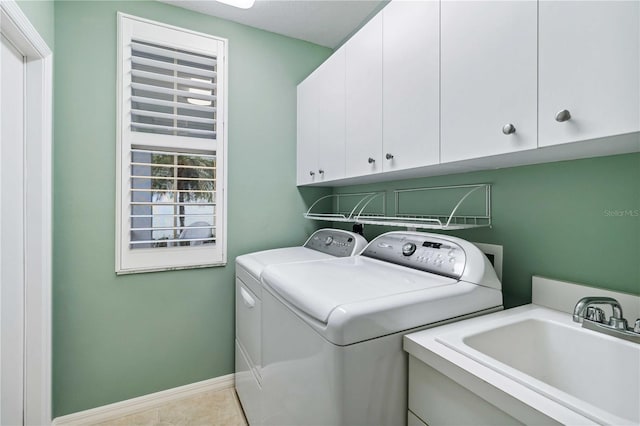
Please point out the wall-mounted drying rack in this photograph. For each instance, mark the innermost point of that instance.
(346, 210)
(459, 207)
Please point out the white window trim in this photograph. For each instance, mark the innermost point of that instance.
(167, 258)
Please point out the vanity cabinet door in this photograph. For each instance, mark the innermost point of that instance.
(488, 78)
(410, 85)
(589, 67)
(307, 132)
(364, 99)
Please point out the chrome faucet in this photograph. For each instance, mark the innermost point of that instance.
(581, 307)
(593, 318)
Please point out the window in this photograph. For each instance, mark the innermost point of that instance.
(171, 195)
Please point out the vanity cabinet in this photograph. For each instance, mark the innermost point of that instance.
(363, 102)
(321, 122)
(435, 399)
(589, 67)
(488, 78)
(410, 84)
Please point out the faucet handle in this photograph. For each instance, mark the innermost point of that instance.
(636, 327)
(595, 314)
(618, 323)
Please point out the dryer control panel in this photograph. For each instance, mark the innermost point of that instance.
(336, 242)
(426, 252)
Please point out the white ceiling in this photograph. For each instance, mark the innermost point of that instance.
(324, 22)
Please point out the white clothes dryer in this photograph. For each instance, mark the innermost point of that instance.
(321, 245)
(332, 329)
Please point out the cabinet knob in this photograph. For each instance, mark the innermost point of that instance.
(509, 129)
(371, 160)
(389, 156)
(563, 115)
(321, 171)
(312, 173)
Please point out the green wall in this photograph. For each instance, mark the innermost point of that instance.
(40, 14)
(573, 220)
(121, 337)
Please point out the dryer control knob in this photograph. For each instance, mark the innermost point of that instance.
(328, 240)
(408, 249)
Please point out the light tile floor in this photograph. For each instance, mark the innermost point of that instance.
(209, 408)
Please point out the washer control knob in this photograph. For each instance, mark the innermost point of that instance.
(328, 240)
(408, 249)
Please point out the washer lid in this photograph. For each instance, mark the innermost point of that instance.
(255, 263)
(318, 288)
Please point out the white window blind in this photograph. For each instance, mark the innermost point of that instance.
(172, 91)
(172, 144)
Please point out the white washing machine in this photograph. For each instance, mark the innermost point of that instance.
(323, 244)
(332, 330)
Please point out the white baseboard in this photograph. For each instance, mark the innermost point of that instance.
(145, 402)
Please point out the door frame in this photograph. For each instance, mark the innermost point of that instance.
(17, 28)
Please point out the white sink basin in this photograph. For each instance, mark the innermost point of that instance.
(590, 373)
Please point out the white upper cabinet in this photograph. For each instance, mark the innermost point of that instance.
(426, 85)
(321, 123)
(589, 67)
(488, 78)
(330, 82)
(307, 132)
(410, 84)
(364, 99)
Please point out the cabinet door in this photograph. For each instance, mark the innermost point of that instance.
(364, 99)
(589, 66)
(330, 81)
(307, 132)
(488, 78)
(410, 85)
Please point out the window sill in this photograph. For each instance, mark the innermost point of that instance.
(169, 268)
